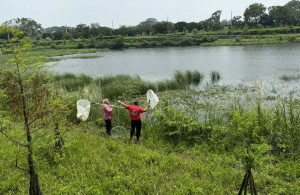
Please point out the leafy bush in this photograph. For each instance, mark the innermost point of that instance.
(80, 46)
(117, 43)
(176, 126)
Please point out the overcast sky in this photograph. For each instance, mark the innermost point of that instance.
(113, 13)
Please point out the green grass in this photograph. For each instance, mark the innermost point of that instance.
(92, 163)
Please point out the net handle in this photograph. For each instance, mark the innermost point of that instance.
(118, 115)
(108, 105)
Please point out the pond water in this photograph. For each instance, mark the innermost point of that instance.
(236, 64)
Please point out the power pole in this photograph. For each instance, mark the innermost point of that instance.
(231, 20)
(7, 33)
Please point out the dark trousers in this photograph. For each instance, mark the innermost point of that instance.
(136, 124)
(108, 126)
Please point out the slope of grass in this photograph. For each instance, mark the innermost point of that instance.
(93, 163)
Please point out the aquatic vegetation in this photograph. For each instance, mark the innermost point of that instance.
(85, 57)
(215, 76)
(290, 77)
(197, 77)
(72, 82)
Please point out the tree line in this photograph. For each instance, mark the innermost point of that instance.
(255, 16)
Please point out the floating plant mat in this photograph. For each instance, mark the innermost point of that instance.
(84, 57)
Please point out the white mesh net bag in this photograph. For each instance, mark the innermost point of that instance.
(83, 109)
(118, 131)
(152, 98)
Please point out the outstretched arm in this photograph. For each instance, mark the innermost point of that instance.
(121, 103)
(146, 108)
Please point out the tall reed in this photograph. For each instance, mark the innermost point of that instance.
(197, 77)
(72, 82)
(215, 76)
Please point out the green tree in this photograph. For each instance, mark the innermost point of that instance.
(59, 34)
(216, 16)
(147, 26)
(192, 25)
(28, 107)
(94, 29)
(29, 26)
(281, 15)
(82, 30)
(254, 13)
(125, 31)
(179, 26)
(6, 32)
(149, 22)
(163, 27)
(213, 23)
(294, 6)
(237, 22)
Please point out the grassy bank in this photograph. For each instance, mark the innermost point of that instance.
(51, 48)
(95, 164)
(179, 153)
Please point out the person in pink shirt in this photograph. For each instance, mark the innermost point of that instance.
(136, 122)
(107, 116)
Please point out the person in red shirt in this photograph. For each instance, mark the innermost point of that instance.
(107, 115)
(136, 122)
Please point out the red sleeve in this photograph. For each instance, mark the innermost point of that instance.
(142, 110)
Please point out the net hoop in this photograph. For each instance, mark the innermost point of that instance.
(118, 132)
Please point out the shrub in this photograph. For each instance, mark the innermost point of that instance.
(238, 39)
(292, 39)
(176, 126)
(195, 31)
(80, 46)
(117, 43)
(186, 42)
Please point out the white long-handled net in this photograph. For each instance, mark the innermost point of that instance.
(152, 98)
(83, 109)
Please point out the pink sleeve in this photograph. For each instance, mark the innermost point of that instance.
(107, 108)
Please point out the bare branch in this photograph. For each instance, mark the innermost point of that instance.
(40, 116)
(41, 126)
(18, 165)
(40, 136)
(11, 139)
